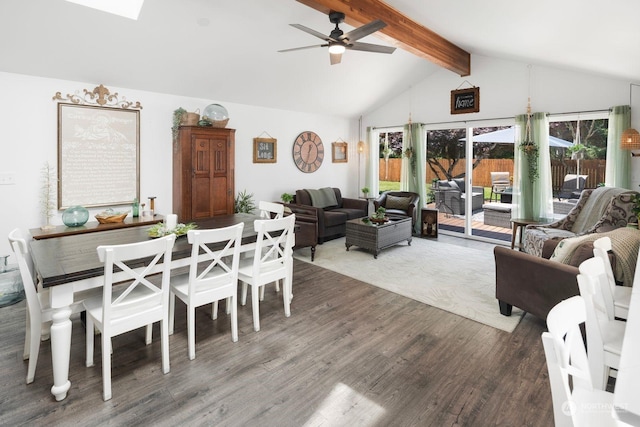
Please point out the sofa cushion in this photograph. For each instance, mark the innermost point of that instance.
(350, 213)
(334, 217)
(395, 202)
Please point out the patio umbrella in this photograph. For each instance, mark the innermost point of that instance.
(507, 136)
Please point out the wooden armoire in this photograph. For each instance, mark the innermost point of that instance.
(203, 172)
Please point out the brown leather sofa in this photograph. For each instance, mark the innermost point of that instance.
(532, 283)
(331, 219)
(399, 204)
(306, 228)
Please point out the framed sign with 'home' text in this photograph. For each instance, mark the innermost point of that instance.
(465, 101)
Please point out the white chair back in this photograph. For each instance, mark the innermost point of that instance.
(21, 251)
(219, 266)
(269, 208)
(272, 261)
(274, 246)
(604, 334)
(567, 363)
(601, 248)
(122, 306)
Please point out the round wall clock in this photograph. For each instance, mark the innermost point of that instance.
(308, 152)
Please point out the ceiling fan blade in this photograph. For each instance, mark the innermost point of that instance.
(368, 47)
(363, 31)
(304, 47)
(335, 58)
(312, 32)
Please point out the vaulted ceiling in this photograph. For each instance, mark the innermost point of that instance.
(226, 50)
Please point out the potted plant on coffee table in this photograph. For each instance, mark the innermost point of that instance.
(379, 217)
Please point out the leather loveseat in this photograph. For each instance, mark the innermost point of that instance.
(537, 283)
(399, 204)
(332, 213)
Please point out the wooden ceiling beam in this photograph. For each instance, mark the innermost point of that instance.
(400, 31)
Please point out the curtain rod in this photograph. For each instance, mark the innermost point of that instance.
(498, 118)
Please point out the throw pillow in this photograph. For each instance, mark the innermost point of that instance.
(395, 202)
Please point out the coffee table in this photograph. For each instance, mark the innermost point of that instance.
(374, 237)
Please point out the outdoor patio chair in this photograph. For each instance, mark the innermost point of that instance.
(499, 183)
(572, 186)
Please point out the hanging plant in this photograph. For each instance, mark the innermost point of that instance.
(530, 150)
(409, 154)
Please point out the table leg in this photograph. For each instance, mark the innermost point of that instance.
(522, 227)
(514, 230)
(60, 351)
(61, 298)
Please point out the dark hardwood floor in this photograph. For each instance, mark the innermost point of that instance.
(350, 354)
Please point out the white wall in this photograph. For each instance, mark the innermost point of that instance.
(504, 88)
(29, 139)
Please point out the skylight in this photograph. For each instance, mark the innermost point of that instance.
(126, 8)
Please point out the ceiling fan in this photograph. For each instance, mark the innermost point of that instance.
(338, 41)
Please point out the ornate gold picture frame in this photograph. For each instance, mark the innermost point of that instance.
(339, 152)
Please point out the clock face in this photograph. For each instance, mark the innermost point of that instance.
(308, 152)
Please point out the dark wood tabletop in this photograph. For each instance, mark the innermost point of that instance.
(74, 257)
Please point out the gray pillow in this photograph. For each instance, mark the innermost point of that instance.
(395, 202)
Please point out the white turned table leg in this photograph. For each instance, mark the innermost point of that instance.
(60, 351)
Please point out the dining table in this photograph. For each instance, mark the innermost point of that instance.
(69, 264)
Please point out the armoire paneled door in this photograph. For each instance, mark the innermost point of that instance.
(203, 172)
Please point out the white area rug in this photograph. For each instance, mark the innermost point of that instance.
(454, 278)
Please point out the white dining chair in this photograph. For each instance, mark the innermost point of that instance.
(270, 210)
(575, 401)
(131, 305)
(212, 276)
(604, 334)
(39, 312)
(620, 296)
(272, 261)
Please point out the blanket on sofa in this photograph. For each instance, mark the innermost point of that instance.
(625, 243)
(323, 197)
(595, 208)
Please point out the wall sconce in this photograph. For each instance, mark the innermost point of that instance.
(630, 140)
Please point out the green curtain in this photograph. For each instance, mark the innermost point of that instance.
(417, 184)
(406, 170)
(618, 168)
(532, 195)
(542, 202)
(522, 200)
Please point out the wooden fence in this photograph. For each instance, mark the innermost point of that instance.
(594, 169)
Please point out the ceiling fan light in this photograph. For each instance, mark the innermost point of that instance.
(336, 48)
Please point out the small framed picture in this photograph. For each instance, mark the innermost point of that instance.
(265, 150)
(339, 152)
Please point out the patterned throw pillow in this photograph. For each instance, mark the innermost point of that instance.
(395, 202)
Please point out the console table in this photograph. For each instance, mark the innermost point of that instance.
(90, 227)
